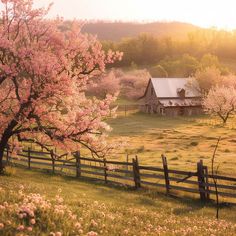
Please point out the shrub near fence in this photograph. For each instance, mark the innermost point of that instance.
(130, 173)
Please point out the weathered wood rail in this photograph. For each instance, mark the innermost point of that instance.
(130, 173)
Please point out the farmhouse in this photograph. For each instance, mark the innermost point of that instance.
(171, 97)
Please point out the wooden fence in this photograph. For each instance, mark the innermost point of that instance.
(130, 173)
(125, 109)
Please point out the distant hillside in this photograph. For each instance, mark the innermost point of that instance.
(118, 30)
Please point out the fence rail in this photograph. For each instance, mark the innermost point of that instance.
(130, 173)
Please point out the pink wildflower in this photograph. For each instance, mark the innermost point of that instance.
(78, 225)
(21, 227)
(32, 221)
(92, 233)
(94, 223)
(8, 222)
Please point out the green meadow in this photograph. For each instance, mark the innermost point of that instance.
(66, 206)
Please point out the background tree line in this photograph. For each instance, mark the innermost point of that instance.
(178, 57)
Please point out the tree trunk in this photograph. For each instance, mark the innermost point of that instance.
(1, 159)
(3, 145)
(4, 141)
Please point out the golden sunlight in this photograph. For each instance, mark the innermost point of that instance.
(204, 13)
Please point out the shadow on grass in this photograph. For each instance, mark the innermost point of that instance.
(143, 196)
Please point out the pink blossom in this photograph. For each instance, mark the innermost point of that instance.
(21, 227)
(58, 66)
(78, 225)
(92, 233)
(94, 223)
(8, 222)
(32, 221)
(221, 101)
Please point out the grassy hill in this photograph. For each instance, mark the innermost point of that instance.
(36, 203)
(117, 30)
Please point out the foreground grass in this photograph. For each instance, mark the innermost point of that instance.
(67, 206)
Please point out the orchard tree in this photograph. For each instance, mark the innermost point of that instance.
(106, 84)
(229, 81)
(208, 78)
(134, 83)
(209, 60)
(130, 85)
(43, 77)
(221, 101)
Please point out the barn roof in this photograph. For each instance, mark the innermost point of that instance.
(189, 102)
(169, 87)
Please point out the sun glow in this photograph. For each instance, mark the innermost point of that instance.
(205, 13)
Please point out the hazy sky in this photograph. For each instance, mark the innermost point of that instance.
(206, 13)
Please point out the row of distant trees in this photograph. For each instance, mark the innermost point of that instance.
(186, 66)
(172, 54)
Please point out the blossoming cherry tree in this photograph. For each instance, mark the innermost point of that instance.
(43, 78)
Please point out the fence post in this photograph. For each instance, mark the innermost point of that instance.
(7, 154)
(53, 161)
(78, 167)
(136, 173)
(127, 160)
(29, 157)
(166, 173)
(105, 169)
(201, 180)
(205, 169)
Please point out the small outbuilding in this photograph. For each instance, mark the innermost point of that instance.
(172, 97)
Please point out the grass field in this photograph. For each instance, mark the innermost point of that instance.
(184, 140)
(36, 203)
(67, 206)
